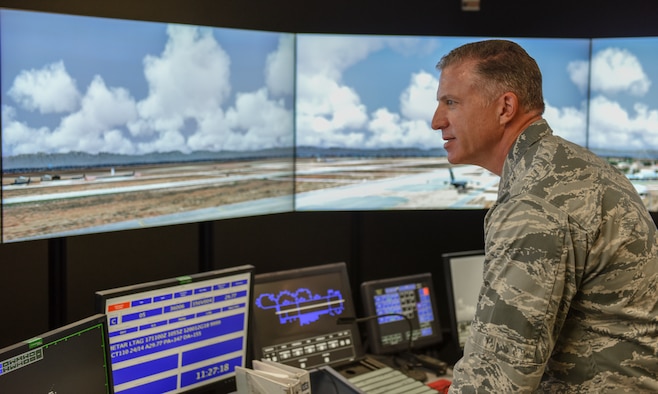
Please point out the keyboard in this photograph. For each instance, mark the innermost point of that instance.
(389, 381)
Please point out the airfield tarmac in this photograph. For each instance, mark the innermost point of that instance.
(107, 199)
(410, 183)
(98, 197)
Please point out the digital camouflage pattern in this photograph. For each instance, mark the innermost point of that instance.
(570, 296)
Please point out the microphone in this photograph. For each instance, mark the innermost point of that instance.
(352, 319)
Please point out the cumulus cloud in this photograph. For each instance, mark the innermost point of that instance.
(578, 71)
(617, 70)
(332, 55)
(280, 68)
(187, 106)
(614, 70)
(633, 125)
(191, 106)
(411, 127)
(390, 130)
(189, 79)
(613, 126)
(328, 113)
(255, 122)
(418, 101)
(331, 114)
(102, 110)
(569, 123)
(48, 90)
(90, 129)
(22, 138)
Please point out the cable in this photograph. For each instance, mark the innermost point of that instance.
(437, 366)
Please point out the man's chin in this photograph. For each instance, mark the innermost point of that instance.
(452, 159)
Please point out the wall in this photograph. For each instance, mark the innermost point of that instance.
(46, 283)
(558, 18)
(373, 244)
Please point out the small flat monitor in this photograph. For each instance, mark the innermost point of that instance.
(70, 359)
(463, 275)
(180, 334)
(295, 316)
(401, 304)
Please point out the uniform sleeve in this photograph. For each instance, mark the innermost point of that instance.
(529, 281)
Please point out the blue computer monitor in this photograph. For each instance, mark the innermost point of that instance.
(179, 334)
(295, 315)
(407, 311)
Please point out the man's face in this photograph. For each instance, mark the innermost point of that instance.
(468, 120)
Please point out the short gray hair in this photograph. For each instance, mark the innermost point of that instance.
(502, 66)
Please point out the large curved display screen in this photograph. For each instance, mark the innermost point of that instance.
(364, 107)
(112, 124)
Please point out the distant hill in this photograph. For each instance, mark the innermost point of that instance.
(49, 162)
(631, 154)
(60, 161)
(310, 151)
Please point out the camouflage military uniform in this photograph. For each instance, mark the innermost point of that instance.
(570, 296)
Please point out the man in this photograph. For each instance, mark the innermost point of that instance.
(570, 295)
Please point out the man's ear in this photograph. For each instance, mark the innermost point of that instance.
(509, 106)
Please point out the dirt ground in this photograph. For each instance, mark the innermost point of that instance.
(22, 220)
(257, 180)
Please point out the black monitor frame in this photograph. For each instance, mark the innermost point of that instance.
(227, 383)
(447, 260)
(376, 329)
(263, 324)
(60, 370)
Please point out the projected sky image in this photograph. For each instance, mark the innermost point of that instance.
(100, 114)
(380, 92)
(103, 85)
(624, 102)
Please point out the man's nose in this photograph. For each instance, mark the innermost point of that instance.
(439, 121)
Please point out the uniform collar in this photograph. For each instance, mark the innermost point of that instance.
(530, 136)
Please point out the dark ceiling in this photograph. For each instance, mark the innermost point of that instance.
(503, 18)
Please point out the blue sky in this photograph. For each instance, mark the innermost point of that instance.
(624, 103)
(97, 84)
(380, 91)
